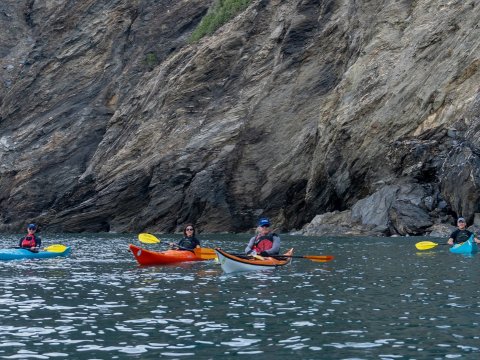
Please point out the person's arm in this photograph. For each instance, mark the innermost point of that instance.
(475, 238)
(250, 245)
(276, 245)
(472, 234)
(38, 242)
(452, 237)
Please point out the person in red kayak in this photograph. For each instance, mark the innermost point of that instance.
(31, 241)
(189, 241)
(461, 234)
(265, 243)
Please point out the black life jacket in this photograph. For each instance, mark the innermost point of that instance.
(462, 236)
(189, 243)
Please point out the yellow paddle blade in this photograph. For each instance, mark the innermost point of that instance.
(148, 238)
(205, 253)
(56, 248)
(425, 245)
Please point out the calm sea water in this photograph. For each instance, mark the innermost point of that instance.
(379, 299)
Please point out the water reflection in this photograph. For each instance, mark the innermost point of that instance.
(378, 299)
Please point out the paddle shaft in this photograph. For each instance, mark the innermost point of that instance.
(309, 257)
(51, 248)
(152, 239)
(208, 253)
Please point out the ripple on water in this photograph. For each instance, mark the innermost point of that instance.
(365, 304)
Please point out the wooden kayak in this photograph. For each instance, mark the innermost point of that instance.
(148, 257)
(21, 254)
(233, 263)
(467, 247)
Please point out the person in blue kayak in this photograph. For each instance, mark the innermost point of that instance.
(265, 243)
(189, 241)
(461, 234)
(31, 241)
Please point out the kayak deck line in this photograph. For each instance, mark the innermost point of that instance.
(22, 254)
(233, 263)
(149, 257)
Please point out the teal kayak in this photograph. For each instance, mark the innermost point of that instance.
(467, 247)
(19, 254)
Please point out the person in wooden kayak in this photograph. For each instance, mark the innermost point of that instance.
(31, 241)
(189, 241)
(461, 234)
(265, 243)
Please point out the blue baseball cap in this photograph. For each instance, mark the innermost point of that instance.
(264, 222)
(32, 227)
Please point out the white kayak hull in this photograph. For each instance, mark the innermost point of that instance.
(231, 263)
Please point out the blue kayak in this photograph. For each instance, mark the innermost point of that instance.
(467, 247)
(19, 254)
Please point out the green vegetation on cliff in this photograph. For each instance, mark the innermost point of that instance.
(219, 14)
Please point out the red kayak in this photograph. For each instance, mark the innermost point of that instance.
(147, 257)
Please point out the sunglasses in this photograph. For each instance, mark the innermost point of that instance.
(265, 226)
(189, 229)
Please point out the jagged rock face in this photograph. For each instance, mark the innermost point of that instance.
(110, 120)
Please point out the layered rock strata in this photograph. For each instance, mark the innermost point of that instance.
(110, 120)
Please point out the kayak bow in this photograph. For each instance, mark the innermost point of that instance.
(467, 247)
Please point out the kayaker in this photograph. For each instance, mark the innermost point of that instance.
(265, 243)
(31, 241)
(461, 234)
(189, 241)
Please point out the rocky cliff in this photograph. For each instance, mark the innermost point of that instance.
(110, 120)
